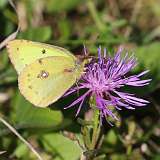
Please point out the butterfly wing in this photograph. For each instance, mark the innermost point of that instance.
(47, 79)
(24, 52)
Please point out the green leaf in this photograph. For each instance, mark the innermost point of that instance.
(153, 34)
(111, 137)
(64, 148)
(8, 76)
(63, 5)
(118, 157)
(149, 56)
(29, 116)
(117, 24)
(3, 3)
(21, 151)
(7, 72)
(4, 60)
(65, 29)
(41, 34)
(156, 157)
(149, 59)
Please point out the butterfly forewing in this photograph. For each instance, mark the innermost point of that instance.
(23, 52)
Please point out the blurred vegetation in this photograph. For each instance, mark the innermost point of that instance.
(70, 24)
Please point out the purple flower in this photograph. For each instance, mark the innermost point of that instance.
(104, 78)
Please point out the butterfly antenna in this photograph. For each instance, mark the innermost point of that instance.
(86, 54)
(77, 87)
(105, 52)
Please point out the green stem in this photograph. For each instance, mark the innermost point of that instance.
(93, 12)
(86, 136)
(92, 133)
(96, 129)
(129, 150)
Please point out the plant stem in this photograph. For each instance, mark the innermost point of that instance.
(93, 12)
(21, 138)
(96, 129)
(92, 136)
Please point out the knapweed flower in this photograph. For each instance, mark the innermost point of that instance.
(105, 78)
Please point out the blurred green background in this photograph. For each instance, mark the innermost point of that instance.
(70, 24)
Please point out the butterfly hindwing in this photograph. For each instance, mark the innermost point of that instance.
(47, 79)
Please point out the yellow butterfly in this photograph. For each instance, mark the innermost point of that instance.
(45, 72)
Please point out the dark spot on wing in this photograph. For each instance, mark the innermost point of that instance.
(68, 70)
(40, 61)
(28, 75)
(43, 74)
(17, 49)
(43, 51)
(30, 87)
(38, 76)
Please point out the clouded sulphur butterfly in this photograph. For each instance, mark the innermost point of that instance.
(45, 72)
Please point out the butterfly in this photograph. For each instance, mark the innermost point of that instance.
(45, 72)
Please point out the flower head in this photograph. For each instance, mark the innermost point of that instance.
(104, 78)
